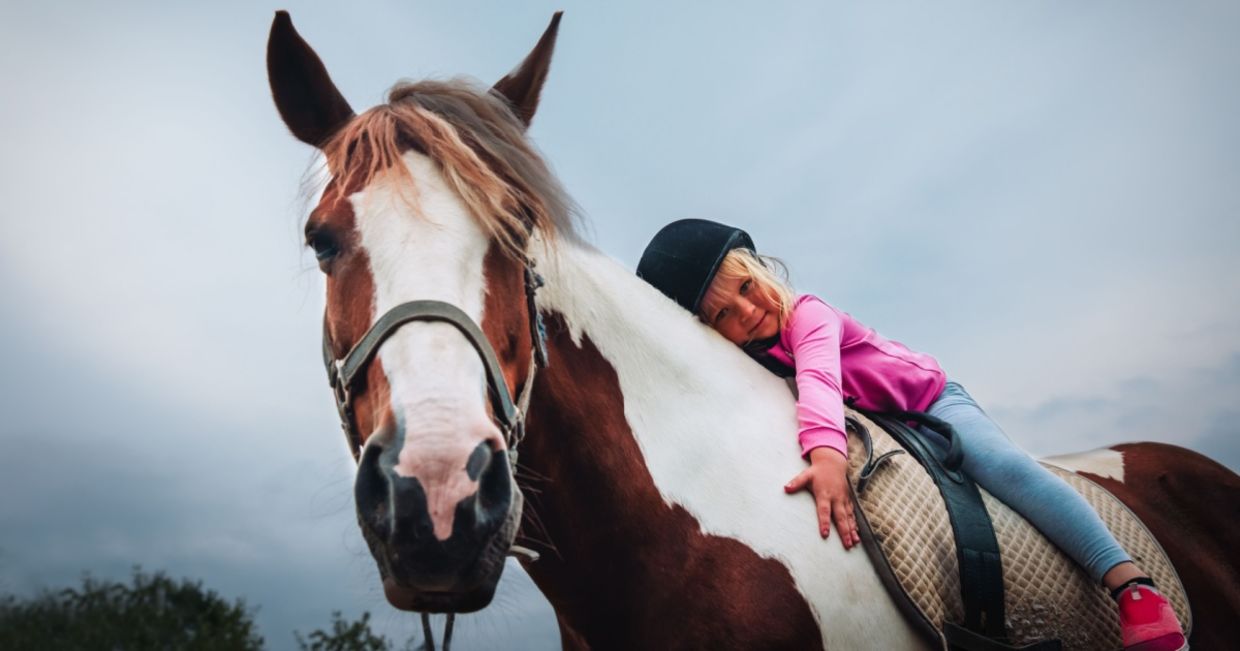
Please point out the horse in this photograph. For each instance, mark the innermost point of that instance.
(454, 270)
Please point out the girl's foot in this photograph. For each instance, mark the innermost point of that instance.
(1147, 621)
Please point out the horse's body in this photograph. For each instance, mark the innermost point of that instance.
(653, 457)
(690, 456)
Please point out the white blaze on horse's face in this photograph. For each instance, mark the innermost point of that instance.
(425, 245)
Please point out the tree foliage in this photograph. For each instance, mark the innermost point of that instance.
(345, 636)
(152, 612)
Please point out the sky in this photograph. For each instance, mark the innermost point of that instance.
(1042, 195)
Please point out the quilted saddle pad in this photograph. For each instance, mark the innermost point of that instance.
(908, 536)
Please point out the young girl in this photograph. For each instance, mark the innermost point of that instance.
(714, 271)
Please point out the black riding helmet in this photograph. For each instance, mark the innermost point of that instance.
(681, 262)
(683, 257)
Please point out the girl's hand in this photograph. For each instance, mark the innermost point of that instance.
(827, 479)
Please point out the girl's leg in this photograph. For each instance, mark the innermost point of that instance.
(1147, 621)
(1045, 500)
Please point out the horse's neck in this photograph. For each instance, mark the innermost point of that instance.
(702, 414)
(657, 451)
(592, 509)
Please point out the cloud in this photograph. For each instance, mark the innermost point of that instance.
(1194, 408)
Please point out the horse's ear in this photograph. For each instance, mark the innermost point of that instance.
(304, 94)
(523, 85)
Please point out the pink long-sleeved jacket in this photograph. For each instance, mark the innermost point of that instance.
(837, 357)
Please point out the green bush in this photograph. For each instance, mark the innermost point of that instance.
(153, 612)
(156, 612)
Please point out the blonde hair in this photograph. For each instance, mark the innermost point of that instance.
(770, 276)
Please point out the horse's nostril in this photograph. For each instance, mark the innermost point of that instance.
(370, 490)
(494, 481)
(478, 461)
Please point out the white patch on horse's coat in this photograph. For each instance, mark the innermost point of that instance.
(427, 246)
(718, 434)
(1103, 462)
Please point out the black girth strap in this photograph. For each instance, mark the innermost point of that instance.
(981, 571)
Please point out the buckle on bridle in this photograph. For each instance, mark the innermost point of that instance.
(335, 379)
(538, 330)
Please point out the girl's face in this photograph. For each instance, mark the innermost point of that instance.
(739, 311)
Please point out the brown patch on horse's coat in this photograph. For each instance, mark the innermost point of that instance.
(570, 639)
(351, 304)
(624, 569)
(504, 319)
(1192, 506)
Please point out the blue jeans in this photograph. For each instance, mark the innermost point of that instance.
(1011, 475)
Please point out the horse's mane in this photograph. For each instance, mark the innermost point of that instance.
(479, 145)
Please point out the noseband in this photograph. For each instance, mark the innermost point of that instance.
(342, 374)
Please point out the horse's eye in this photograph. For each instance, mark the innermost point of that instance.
(324, 243)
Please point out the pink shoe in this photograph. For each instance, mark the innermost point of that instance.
(1148, 622)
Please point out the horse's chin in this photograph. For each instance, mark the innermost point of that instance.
(470, 592)
(411, 599)
(423, 587)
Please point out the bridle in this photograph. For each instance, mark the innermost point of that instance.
(342, 374)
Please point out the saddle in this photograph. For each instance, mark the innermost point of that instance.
(929, 531)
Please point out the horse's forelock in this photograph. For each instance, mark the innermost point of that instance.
(478, 143)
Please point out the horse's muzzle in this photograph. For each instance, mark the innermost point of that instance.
(420, 571)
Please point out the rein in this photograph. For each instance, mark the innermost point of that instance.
(342, 374)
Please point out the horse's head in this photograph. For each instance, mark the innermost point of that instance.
(421, 233)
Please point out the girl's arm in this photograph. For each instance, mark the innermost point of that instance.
(813, 338)
(813, 335)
